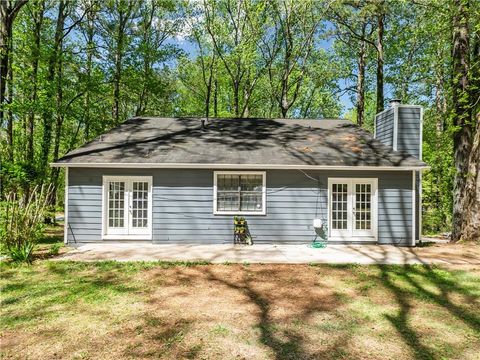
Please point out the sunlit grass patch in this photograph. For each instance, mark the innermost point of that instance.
(220, 330)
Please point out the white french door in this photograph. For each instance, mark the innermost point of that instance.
(352, 207)
(127, 207)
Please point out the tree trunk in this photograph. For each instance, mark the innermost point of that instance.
(471, 218)
(380, 59)
(9, 98)
(462, 138)
(284, 105)
(286, 68)
(60, 116)
(86, 100)
(123, 15)
(5, 40)
(361, 83)
(117, 78)
(215, 100)
(8, 11)
(210, 84)
(208, 95)
(90, 30)
(147, 62)
(38, 20)
(236, 98)
(441, 109)
(471, 202)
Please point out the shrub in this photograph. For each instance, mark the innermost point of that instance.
(22, 222)
(55, 249)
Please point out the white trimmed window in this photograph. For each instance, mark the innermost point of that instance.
(239, 193)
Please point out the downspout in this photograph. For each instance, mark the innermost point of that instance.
(414, 180)
(65, 203)
(419, 206)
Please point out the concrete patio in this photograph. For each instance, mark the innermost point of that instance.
(451, 254)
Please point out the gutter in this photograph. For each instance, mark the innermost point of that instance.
(238, 166)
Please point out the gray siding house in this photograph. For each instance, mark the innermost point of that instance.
(182, 180)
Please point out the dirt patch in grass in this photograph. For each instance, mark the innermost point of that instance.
(115, 310)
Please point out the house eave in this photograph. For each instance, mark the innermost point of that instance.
(236, 166)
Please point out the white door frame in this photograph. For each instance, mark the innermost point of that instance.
(350, 234)
(127, 232)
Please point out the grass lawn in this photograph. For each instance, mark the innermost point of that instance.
(110, 310)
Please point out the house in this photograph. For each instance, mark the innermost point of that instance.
(182, 180)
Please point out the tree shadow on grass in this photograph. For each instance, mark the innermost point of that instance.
(417, 276)
(281, 336)
(446, 288)
(401, 320)
(288, 344)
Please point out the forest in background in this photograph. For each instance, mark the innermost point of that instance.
(73, 69)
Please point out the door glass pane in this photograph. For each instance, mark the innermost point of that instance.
(116, 204)
(139, 204)
(339, 206)
(363, 206)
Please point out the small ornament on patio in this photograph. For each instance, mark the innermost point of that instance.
(241, 234)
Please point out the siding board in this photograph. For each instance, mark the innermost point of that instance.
(384, 127)
(183, 206)
(409, 129)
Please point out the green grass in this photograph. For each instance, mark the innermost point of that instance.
(112, 309)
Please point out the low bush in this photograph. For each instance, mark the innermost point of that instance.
(54, 249)
(22, 222)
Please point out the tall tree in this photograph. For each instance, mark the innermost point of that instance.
(8, 12)
(235, 28)
(288, 49)
(37, 11)
(380, 14)
(206, 56)
(354, 29)
(116, 25)
(90, 49)
(159, 21)
(53, 67)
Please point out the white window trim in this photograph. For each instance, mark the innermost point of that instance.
(264, 193)
(351, 236)
(148, 235)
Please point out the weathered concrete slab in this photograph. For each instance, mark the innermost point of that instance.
(284, 254)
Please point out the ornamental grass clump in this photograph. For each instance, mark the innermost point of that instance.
(22, 222)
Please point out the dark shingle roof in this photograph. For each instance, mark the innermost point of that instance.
(323, 142)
